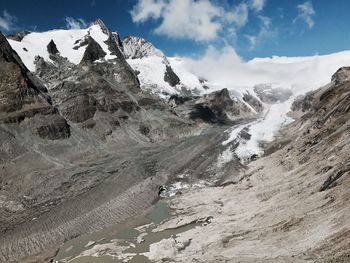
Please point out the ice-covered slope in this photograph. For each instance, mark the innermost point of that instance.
(69, 43)
(157, 73)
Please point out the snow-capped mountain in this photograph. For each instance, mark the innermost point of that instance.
(70, 44)
(157, 73)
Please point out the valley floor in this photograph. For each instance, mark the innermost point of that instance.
(272, 212)
(132, 187)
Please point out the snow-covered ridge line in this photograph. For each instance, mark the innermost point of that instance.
(67, 42)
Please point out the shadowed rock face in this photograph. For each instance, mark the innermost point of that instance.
(52, 48)
(23, 97)
(92, 52)
(219, 107)
(171, 77)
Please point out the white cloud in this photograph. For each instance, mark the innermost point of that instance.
(145, 9)
(225, 68)
(72, 23)
(257, 5)
(306, 13)
(7, 22)
(190, 19)
(252, 41)
(200, 20)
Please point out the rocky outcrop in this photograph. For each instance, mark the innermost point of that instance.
(18, 36)
(303, 102)
(92, 52)
(342, 75)
(171, 77)
(219, 107)
(52, 48)
(269, 94)
(137, 48)
(22, 96)
(254, 102)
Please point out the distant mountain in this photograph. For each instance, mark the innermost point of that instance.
(154, 69)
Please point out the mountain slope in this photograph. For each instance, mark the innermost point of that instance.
(289, 206)
(156, 72)
(83, 146)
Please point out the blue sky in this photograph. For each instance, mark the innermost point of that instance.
(255, 28)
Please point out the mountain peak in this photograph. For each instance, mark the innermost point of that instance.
(102, 25)
(137, 47)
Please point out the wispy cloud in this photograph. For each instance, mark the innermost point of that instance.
(7, 22)
(306, 13)
(265, 31)
(75, 23)
(199, 20)
(239, 15)
(257, 5)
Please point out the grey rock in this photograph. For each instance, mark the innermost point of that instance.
(23, 97)
(92, 52)
(18, 36)
(219, 107)
(342, 74)
(268, 94)
(171, 77)
(52, 48)
(253, 102)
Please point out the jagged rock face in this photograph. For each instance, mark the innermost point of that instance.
(52, 48)
(92, 52)
(53, 127)
(303, 102)
(253, 102)
(171, 77)
(79, 102)
(80, 91)
(21, 97)
(219, 107)
(269, 94)
(136, 47)
(343, 74)
(18, 36)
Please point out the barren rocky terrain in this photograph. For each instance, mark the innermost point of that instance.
(291, 205)
(86, 147)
